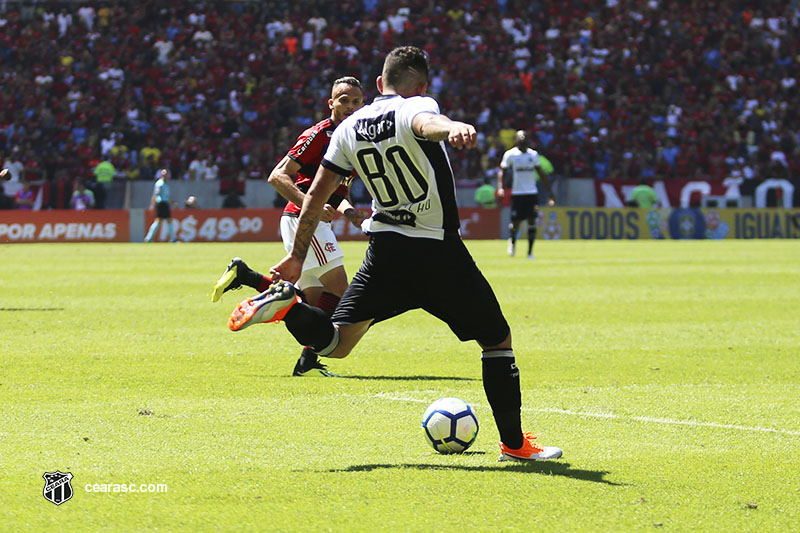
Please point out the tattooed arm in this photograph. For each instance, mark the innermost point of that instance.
(291, 266)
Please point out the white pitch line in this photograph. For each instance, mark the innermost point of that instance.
(648, 419)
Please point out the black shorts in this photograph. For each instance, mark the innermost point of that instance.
(524, 206)
(401, 273)
(163, 210)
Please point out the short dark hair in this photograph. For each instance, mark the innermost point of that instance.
(405, 67)
(349, 80)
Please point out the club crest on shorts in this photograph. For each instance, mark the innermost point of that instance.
(57, 487)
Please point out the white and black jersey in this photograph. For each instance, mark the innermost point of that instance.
(522, 165)
(414, 218)
(409, 178)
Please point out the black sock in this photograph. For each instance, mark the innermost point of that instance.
(308, 356)
(513, 231)
(311, 326)
(253, 279)
(531, 238)
(501, 384)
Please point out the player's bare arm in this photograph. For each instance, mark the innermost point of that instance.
(282, 178)
(355, 216)
(325, 183)
(501, 189)
(546, 183)
(437, 128)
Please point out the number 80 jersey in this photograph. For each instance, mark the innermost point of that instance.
(409, 178)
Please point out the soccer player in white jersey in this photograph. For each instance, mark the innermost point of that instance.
(396, 145)
(522, 162)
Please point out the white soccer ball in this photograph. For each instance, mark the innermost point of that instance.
(450, 425)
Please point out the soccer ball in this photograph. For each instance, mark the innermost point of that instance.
(450, 425)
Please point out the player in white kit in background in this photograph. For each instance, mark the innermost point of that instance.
(523, 165)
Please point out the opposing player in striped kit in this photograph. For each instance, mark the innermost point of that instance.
(323, 279)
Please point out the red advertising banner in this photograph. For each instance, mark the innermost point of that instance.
(64, 226)
(479, 223)
(263, 225)
(220, 225)
(671, 193)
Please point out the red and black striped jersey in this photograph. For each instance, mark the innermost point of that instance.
(307, 152)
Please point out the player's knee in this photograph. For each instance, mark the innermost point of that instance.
(339, 354)
(349, 335)
(505, 344)
(344, 348)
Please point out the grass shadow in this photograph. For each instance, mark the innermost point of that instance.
(547, 468)
(371, 378)
(16, 309)
(409, 378)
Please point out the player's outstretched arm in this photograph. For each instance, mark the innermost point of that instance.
(437, 128)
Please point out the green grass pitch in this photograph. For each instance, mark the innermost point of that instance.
(669, 372)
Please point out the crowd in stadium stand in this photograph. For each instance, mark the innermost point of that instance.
(219, 90)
